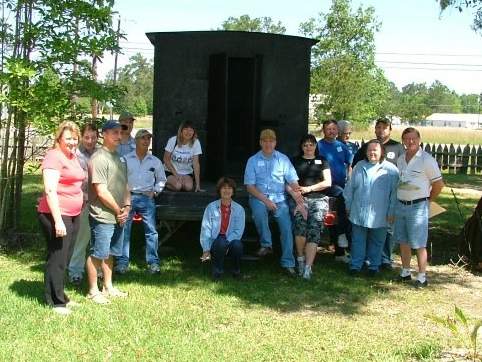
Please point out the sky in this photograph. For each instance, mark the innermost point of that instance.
(415, 42)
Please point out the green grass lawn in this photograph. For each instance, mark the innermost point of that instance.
(182, 315)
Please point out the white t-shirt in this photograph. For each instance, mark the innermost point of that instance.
(182, 155)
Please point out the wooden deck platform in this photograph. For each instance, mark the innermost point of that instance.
(190, 206)
(174, 209)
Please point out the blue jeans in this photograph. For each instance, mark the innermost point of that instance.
(366, 244)
(220, 248)
(144, 206)
(388, 247)
(283, 218)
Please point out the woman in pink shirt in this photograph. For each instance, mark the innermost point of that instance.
(59, 209)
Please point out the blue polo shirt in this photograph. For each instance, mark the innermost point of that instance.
(339, 158)
(270, 174)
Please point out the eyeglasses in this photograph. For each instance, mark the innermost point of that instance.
(347, 133)
(124, 127)
(308, 145)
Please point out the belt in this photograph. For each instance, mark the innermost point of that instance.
(411, 202)
(140, 192)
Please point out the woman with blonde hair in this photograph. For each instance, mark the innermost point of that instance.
(59, 209)
(181, 160)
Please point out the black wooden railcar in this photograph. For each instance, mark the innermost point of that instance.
(231, 85)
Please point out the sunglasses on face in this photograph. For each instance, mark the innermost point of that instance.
(124, 127)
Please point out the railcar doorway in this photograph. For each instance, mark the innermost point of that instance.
(233, 102)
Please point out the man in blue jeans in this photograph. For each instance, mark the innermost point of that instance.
(146, 178)
(266, 176)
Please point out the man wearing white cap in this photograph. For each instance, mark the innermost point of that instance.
(146, 178)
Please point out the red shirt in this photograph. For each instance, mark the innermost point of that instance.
(69, 189)
(225, 215)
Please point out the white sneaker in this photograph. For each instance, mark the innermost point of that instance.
(343, 258)
(301, 266)
(342, 241)
(307, 273)
(62, 310)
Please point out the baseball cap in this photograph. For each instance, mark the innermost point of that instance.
(125, 116)
(142, 133)
(110, 124)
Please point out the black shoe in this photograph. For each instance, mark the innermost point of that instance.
(404, 279)
(420, 285)
(264, 251)
(354, 272)
(237, 275)
(217, 276)
(291, 272)
(386, 266)
(76, 281)
(372, 273)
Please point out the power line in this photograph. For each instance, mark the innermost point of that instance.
(431, 54)
(436, 69)
(429, 63)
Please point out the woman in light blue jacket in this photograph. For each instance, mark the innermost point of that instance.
(222, 228)
(370, 197)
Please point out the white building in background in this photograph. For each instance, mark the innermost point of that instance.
(459, 120)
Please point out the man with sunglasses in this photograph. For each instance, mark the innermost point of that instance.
(127, 143)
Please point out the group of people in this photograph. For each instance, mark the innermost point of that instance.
(380, 194)
(92, 194)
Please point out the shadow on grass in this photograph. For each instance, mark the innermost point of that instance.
(463, 181)
(331, 289)
(28, 289)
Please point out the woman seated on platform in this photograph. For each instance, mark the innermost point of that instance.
(314, 177)
(370, 197)
(222, 228)
(181, 160)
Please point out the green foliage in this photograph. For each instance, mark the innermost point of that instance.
(64, 33)
(474, 5)
(343, 66)
(246, 23)
(46, 44)
(470, 103)
(467, 332)
(136, 81)
(442, 100)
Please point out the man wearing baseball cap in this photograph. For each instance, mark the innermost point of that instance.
(127, 143)
(110, 202)
(266, 176)
(146, 178)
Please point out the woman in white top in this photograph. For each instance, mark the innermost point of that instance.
(181, 160)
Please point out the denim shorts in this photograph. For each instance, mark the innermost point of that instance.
(411, 224)
(106, 239)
